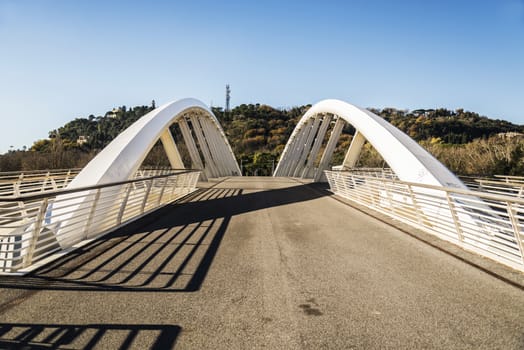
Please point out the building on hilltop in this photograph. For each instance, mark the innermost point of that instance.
(81, 140)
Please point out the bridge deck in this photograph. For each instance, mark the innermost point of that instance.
(260, 263)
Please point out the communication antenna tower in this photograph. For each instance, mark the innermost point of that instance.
(228, 97)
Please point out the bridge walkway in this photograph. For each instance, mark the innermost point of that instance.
(260, 263)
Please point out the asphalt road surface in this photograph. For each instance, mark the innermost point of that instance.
(260, 263)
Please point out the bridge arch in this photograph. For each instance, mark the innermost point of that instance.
(407, 158)
(120, 160)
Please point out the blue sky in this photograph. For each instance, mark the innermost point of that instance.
(65, 59)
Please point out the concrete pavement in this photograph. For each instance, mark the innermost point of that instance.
(255, 263)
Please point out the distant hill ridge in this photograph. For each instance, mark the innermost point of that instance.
(253, 126)
(258, 131)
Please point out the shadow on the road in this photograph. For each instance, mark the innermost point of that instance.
(101, 336)
(170, 250)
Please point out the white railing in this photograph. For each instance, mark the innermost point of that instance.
(511, 179)
(504, 185)
(373, 172)
(489, 224)
(35, 225)
(16, 183)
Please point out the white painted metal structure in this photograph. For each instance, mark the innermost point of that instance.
(107, 194)
(30, 230)
(407, 158)
(120, 160)
(487, 223)
(421, 192)
(16, 183)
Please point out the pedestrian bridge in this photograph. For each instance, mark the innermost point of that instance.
(118, 256)
(42, 214)
(267, 262)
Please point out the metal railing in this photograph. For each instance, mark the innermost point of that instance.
(35, 225)
(489, 224)
(504, 185)
(372, 172)
(512, 179)
(16, 183)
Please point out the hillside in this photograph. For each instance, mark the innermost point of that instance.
(465, 141)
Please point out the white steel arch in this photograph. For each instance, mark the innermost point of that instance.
(407, 158)
(120, 160)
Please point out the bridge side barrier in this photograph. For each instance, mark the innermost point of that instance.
(16, 183)
(488, 224)
(497, 185)
(32, 225)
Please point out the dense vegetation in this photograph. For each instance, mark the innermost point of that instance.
(469, 144)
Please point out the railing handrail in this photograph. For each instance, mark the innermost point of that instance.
(39, 171)
(39, 223)
(474, 193)
(510, 177)
(54, 193)
(489, 224)
(499, 182)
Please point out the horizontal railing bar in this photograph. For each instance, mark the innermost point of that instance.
(35, 226)
(453, 190)
(87, 188)
(485, 222)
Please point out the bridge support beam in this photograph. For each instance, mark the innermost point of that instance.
(224, 152)
(191, 147)
(219, 149)
(308, 170)
(171, 150)
(353, 153)
(210, 164)
(213, 146)
(285, 156)
(330, 147)
(409, 161)
(307, 148)
(298, 149)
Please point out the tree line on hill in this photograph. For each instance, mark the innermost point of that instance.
(467, 143)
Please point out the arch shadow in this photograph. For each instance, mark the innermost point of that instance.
(170, 250)
(86, 336)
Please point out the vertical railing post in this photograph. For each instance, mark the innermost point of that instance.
(516, 230)
(418, 210)
(123, 205)
(187, 180)
(373, 191)
(174, 186)
(162, 191)
(192, 180)
(183, 183)
(17, 185)
(44, 183)
(91, 213)
(454, 215)
(66, 180)
(28, 259)
(365, 189)
(146, 195)
(389, 196)
(354, 184)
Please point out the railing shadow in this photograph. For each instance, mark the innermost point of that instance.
(168, 251)
(102, 336)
